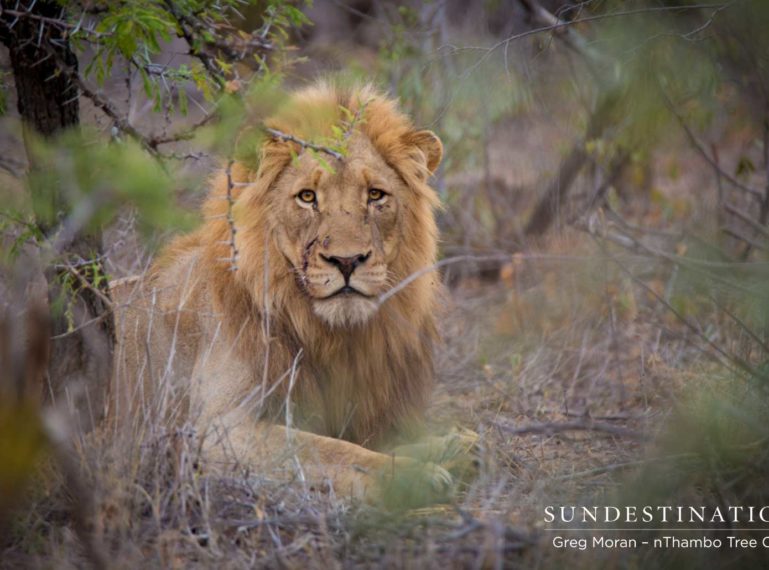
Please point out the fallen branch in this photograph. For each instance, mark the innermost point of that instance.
(623, 465)
(584, 425)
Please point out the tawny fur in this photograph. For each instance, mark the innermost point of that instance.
(225, 342)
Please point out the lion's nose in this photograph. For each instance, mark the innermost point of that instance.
(347, 265)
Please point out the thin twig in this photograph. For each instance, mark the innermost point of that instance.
(561, 25)
(442, 263)
(747, 219)
(82, 504)
(739, 236)
(701, 149)
(183, 135)
(738, 362)
(285, 137)
(745, 328)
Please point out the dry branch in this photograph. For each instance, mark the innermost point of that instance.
(182, 135)
(736, 234)
(548, 207)
(747, 219)
(701, 149)
(551, 428)
(629, 242)
(610, 468)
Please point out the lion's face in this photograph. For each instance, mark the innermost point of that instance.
(341, 231)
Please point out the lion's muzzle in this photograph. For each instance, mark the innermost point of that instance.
(346, 265)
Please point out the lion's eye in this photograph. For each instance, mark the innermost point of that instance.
(375, 194)
(306, 196)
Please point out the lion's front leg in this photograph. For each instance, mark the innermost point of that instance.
(351, 470)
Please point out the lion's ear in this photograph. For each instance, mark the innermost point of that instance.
(431, 147)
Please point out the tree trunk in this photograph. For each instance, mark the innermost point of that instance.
(548, 208)
(47, 100)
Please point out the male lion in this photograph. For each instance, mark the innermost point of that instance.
(295, 350)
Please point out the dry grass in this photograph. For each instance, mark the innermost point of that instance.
(565, 366)
(560, 367)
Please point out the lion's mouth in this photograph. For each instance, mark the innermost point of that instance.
(344, 291)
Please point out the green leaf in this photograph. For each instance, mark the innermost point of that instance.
(321, 161)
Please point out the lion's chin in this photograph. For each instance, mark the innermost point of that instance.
(346, 310)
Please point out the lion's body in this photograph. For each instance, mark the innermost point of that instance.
(241, 347)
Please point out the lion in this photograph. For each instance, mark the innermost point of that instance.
(300, 317)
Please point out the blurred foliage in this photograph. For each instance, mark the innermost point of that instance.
(712, 455)
(96, 180)
(23, 444)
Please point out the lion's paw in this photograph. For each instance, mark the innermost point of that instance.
(457, 452)
(442, 482)
(465, 463)
(412, 484)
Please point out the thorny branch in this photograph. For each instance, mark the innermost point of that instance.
(285, 137)
(195, 32)
(233, 259)
(208, 62)
(183, 135)
(234, 48)
(58, 23)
